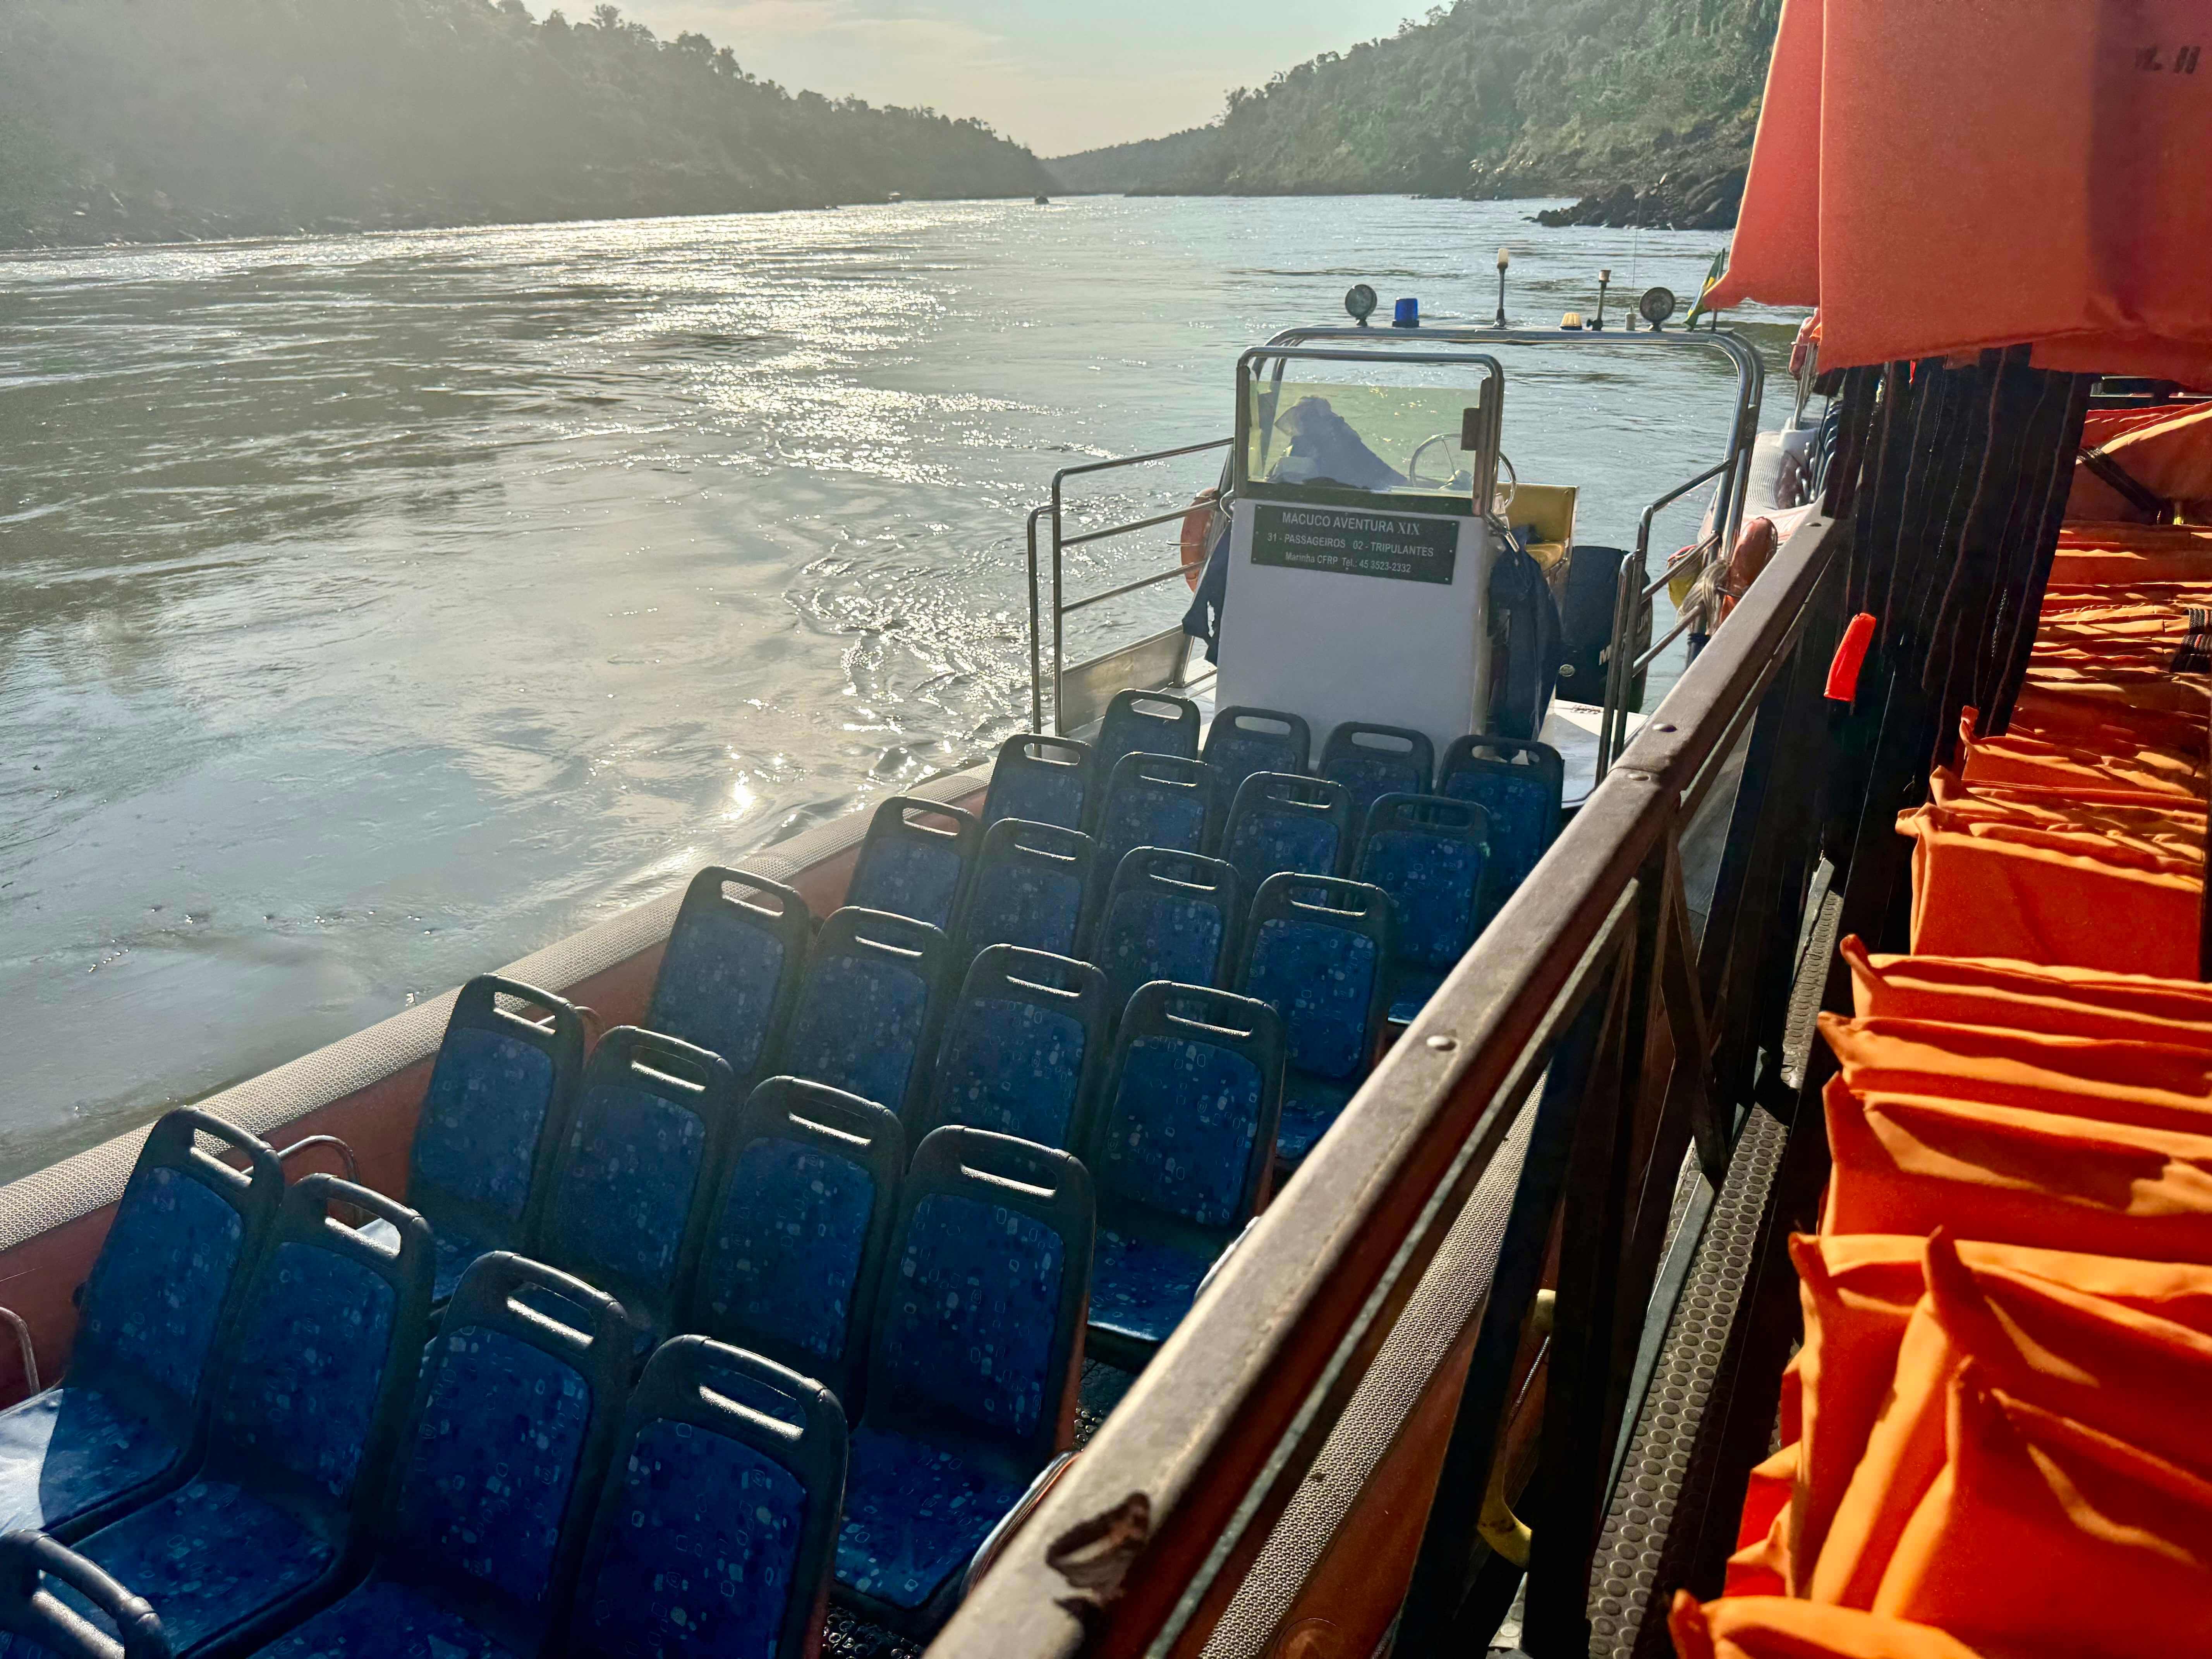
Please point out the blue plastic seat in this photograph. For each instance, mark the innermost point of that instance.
(1042, 779)
(494, 1115)
(914, 860)
(795, 1247)
(1168, 916)
(1151, 800)
(731, 969)
(1243, 741)
(499, 1475)
(868, 1012)
(1029, 889)
(1024, 1047)
(633, 1186)
(1180, 1151)
(971, 1375)
(1375, 761)
(35, 1618)
(128, 1420)
(1520, 785)
(1314, 950)
(1282, 821)
(716, 1533)
(1143, 723)
(272, 1526)
(1430, 853)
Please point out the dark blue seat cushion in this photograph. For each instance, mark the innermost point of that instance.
(1042, 792)
(718, 986)
(1433, 882)
(1235, 756)
(385, 1620)
(1261, 844)
(157, 1290)
(478, 1133)
(1368, 778)
(302, 1391)
(453, 1252)
(494, 1460)
(969, 1311)
(1011, 1066)
(783, 1255)
(1173, 818)
(701, 1553)
(208, 1557)
(1410, 992)
(1180, 1136)
(857, 1027)
(70, 1449)
(1140, 1289)
(1320, 980)
(1310, 1106)
(908, 878)
(1025, 902)
(1146, 936)
(1522, 810)
(626, 1186)
(914, 1515)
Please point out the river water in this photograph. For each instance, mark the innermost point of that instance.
(376, 608)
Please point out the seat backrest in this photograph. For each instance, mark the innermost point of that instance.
(915, 860)
(1044, 779)
(868, 1012)
(1029, 889)
(1374, 761)
(1024, 1047)
(732, 968)
(1168, 916)
(631, 1189)
(1185, 1131)
(1145, 723)
(495, 1115)
(1428, 852)
(508, 1446)
(1520, 785)
(1282, 821)
(977, 1336)
(1151, 800)
(1243, 741)
(319, 1381)
(795, 1247)
(170, 1277)
(39, 1621)
(1314, 951)
(718, 1528)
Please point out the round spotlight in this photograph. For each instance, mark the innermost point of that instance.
(1360, 301)
(1656, 306)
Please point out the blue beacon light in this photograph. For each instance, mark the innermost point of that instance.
(1405, 314)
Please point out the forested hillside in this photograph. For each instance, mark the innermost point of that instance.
(1491, 97)
(158, 118)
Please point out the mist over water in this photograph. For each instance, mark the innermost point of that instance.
(374, 609)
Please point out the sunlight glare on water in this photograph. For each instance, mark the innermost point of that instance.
(376, 608)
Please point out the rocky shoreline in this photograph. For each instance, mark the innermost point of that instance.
(1700, 200)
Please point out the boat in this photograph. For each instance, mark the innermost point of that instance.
(990, 1006)
(1390, 1256)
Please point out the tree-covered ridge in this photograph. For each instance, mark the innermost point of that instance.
(1494, 97)
(148, 118)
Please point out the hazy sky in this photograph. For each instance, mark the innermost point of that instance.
(1058, 74)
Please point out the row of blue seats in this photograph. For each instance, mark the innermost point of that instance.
(759, 1219)
(252, 1438)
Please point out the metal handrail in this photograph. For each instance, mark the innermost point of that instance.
(1052, 512)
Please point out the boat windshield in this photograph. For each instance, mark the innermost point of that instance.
(1378, 439)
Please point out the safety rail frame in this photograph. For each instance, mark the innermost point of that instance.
(1590, 972)
(1419, 345)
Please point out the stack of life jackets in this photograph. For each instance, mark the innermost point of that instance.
(1997, 1439)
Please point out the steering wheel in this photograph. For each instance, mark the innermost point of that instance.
(1501, 502)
